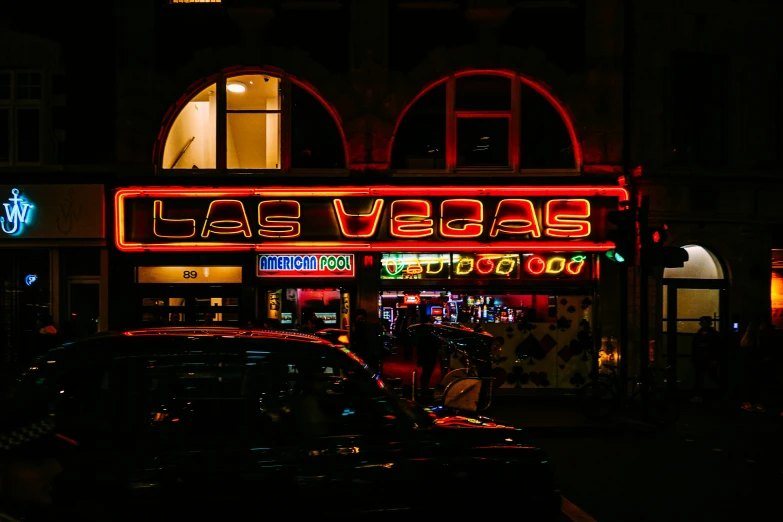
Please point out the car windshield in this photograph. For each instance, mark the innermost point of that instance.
(181, 390)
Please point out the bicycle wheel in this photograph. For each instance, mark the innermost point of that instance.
(664, 409)
(597, 400)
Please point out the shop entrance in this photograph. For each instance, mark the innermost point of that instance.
(190, 296)
(209, 305)
(546, 338)
(695, 290)
(83, 305)
(305, 309)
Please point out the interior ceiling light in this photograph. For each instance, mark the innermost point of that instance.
(236, 87)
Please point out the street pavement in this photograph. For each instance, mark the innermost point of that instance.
(718, 463)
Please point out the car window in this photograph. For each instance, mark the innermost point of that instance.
(228, 389)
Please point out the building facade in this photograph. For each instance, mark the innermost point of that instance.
(52, 220)
(453, 159)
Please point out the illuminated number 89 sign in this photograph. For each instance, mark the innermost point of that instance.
(571, 266)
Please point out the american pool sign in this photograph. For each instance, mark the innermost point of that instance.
(306, 265)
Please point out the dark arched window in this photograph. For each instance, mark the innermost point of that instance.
(252, 122)
(485, 121)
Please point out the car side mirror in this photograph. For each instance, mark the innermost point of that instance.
(463, 394)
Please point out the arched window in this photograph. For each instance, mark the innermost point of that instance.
(701, 264)
(480, 120)
(253, 122)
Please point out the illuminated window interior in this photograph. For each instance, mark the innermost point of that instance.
(191, 140)
(254, 117)
(465, 307)
(693, 303)
(253, 122)
(294, 306)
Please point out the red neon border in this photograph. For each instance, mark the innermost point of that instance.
(284, 274)
(358, 246)
(541, 89)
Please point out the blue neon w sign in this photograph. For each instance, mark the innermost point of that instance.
(17, 214)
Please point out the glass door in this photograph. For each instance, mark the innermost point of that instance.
(83, 306)
(684, 303)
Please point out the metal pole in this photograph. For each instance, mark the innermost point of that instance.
(628, 46)
(622, 339)
(644, 311)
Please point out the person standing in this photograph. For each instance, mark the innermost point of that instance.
(366, 340)
(706, 355)
(427, 350)
(756, 345)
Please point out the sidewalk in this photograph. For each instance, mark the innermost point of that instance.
(725, 427)
(554, 415)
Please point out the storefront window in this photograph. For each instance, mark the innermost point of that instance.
(512, 266)
(24, 300)
(543, 340)
(295, 308)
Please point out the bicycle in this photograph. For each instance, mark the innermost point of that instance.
(601, 398)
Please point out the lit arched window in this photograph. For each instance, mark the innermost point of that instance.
(492, 121)
(253, 122)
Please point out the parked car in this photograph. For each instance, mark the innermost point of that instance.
(336, 336)
(342, 337)
(223, 424)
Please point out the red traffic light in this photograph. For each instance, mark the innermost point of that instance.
(656, 237)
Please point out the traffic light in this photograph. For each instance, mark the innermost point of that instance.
(654, 253)
(623, 236)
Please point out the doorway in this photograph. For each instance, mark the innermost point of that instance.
(695, 290)
(190, 305)
(83, 306)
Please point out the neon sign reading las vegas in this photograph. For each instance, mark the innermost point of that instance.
(357, 218)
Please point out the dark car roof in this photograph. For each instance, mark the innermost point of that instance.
(216, 331)
(183, 339)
